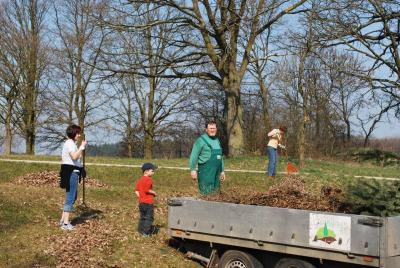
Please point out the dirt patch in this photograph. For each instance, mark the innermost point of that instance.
(52, 178)
(92, 238)
(290, 193)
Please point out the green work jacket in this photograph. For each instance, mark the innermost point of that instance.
(201, 152)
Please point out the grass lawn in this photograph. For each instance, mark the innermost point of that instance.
(29, 234)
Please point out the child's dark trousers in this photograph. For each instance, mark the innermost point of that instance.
(146, 218)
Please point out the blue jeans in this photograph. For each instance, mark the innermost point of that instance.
(272, 160)
(71, 196)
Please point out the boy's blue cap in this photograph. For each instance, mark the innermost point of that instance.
(148, 166)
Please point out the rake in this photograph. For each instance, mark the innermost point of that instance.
(290, 167)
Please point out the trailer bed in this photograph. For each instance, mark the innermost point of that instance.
(366, 240)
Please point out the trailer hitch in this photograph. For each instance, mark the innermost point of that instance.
(371, 222)
(192, 255)
(174, 203)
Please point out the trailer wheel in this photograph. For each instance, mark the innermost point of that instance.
(293, 263)
(238, 259)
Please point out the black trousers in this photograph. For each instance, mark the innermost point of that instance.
(146, 218)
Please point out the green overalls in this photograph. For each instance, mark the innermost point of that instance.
(210, 171)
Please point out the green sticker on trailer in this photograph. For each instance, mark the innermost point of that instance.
(330, 231)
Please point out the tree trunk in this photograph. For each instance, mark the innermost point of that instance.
(148, 145)
(8, 134)
(234, 120)
(30, 142)
(302, 136)
(80, 94)
(30, 125)
(348, 130)
(302, 127)
(265, 101)
(129, 131)
(366, 140)
(130, 149)
(32, 78)
(318, 142)
(30, 103)
(149, 127)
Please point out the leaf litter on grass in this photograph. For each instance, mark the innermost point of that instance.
(52, 178)
(91, 243)
(88, 245)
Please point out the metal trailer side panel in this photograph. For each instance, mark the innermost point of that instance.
(273, 225)
(316, 253)
(392, 262)
(240, 221)
(393, 236)
(390, 243)
(364, 238)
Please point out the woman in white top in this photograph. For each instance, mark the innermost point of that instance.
(275, 138)
(71, 170)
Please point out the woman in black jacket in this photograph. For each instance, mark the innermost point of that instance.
(71, 170)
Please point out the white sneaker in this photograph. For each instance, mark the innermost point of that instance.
(61, 222)
(67, 227)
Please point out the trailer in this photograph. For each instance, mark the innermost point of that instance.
(227, 235)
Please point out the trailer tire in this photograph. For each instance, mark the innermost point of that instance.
(238, 259)
(293, 263)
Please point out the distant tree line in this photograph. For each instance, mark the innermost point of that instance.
(176, 149)
(150, 73)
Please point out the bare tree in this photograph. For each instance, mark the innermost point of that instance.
(140, 57)
(370, 29)
(264, 54)
(125, 111)
(10, 77)
(24, 21)
(302, 45)
(77, 94)
(9, 92)
(213, 34)
(307, 89)
(346, 91)
(370, 121)
(260, 55)
(323, 89)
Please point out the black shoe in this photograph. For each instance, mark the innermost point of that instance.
(144, 234)
(154, 230)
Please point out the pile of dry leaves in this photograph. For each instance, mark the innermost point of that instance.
(52, 178)
(290, 193)
(90, 238)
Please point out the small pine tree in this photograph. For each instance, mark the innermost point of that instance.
(375, 198)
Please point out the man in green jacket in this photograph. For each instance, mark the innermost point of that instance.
(207, 155)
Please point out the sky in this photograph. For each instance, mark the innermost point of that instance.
(388, 130)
